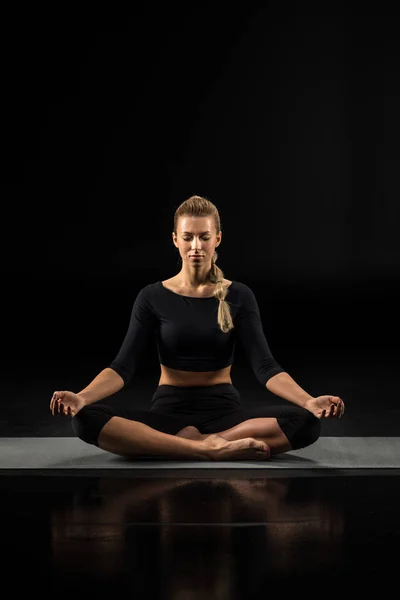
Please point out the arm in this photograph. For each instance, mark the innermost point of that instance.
(106, 383)
(111, 379)
(249, 331)
(268, 372)
(324, 406)
(140, 329)
(66, 403)
(284, 385)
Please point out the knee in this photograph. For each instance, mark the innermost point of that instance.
(88, 423)
(308, 430)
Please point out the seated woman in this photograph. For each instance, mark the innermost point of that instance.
(196, 412)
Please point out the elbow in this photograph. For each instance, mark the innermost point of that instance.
(123, 377)
(266, 381)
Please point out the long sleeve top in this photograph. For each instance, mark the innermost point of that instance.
(188, 335)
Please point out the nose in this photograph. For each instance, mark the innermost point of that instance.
(196, 245)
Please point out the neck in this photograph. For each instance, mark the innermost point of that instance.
(193, 279)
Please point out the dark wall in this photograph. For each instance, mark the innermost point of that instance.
(288, 120)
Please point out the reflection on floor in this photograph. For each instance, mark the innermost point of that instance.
(225, 536)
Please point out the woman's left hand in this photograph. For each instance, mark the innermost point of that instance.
(325, 407)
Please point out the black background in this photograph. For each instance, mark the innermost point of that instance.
(287, 119)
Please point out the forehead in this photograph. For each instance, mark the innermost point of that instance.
(195, 224)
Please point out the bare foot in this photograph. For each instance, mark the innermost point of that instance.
(192, 433)
(217, 448)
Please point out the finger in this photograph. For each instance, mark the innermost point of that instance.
(69, 410)
(323, 413)
(53, 398)
(340, 406)
(55, 403)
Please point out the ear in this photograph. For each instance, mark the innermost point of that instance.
(219, 239)
(174, 239)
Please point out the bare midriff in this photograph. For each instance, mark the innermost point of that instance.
(194, 378)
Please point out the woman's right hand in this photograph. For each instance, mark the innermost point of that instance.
(66, 404)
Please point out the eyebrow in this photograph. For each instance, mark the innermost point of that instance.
(190, 233)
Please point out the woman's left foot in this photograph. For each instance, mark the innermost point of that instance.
(192, 433)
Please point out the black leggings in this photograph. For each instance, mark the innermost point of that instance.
(211, 409)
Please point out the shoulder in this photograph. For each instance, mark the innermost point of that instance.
(145, 289)
(242, 288)
(146, 293)
(244, 296)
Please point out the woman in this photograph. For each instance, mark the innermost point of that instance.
(196, 413)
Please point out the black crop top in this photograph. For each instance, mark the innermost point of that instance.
(188, 335)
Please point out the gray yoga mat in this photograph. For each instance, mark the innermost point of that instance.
(66, 454)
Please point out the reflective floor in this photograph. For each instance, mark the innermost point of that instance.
(212, 534)
(221, 535)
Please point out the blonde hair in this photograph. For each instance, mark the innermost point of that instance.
(198, 206)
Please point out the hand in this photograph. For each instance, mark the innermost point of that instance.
(66, 404)
(326, 406)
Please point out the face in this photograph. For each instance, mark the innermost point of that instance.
(196, 236)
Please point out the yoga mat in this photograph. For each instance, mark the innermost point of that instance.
(66, 454)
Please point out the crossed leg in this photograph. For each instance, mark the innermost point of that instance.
(263, 429)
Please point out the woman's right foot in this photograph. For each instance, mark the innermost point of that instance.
(218, 448)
